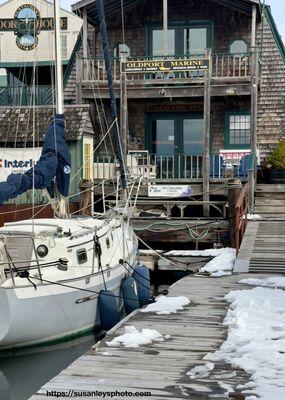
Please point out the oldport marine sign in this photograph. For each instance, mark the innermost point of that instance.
(153, 66)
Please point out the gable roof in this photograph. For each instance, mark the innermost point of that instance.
(277, 37)
(113, 7)
(18, 123)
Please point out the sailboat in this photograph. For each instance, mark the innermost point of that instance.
(52, 271)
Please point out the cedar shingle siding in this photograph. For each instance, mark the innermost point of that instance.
(271, 101)
(228, 24)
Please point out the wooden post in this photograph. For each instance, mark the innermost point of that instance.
(85, 201)
(165, 28)
(85, 33)
(207, 126)
(124, 113)
(253, 126)
(253, 26)
(78, 79)
(234, 191)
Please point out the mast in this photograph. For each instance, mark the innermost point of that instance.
(58, 61)
(118, 143)
(61, 204)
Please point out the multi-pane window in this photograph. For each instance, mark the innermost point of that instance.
(87, 161)
(238, 130)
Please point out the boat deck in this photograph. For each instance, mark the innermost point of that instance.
(161, 368)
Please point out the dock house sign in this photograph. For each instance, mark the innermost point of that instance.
(152, 66)
(27, 25)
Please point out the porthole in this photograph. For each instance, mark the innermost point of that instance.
(238, 47)
(81, 256)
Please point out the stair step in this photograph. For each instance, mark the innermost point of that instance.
(264, 201)
(269, 209)
(266, 270)
(270, 188)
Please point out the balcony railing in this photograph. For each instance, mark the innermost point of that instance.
(25, 95)
(223, 66)
(165, 167)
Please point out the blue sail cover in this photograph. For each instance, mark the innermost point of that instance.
(55, 162)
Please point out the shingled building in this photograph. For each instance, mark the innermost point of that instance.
(197, 80)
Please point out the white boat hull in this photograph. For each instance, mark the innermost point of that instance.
(53, 312)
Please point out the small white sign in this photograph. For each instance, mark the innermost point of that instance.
(169, 190)
(17, 161)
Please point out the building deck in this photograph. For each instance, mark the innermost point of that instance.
(161, 368)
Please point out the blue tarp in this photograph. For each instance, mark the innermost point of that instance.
(55, 162)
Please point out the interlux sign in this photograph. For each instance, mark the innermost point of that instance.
(17, 161)
(27, 24)
(179, 65)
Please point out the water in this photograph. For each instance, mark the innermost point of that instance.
(23, 372)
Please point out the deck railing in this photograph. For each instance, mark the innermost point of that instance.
(223, 66)
(241, 211)
(26, 95)
(164, 167)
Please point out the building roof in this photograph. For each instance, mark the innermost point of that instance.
(275, 32)
(113, 7)
(16, 123)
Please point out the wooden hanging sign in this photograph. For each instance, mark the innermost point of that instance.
(153, 66)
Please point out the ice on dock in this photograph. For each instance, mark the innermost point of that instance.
(272, 282)
(134, 338)
(256, 339)
(166, 305)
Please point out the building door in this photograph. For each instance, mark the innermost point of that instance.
(183, 41)
(175, 139)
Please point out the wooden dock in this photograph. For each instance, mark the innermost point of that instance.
(262, 248)
(161, 368)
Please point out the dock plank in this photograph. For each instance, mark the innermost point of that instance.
(161, 368)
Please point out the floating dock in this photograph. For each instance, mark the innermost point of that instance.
(161, 368)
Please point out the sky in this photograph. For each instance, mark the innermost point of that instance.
(277, 8)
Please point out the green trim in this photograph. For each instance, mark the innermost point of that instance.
(178, 39)
(227, 144)
(29, 64)
(72, 58)
(274, 30)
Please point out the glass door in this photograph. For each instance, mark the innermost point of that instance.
(176, 140)
(193, 144)
(195, 41)
(163, 143)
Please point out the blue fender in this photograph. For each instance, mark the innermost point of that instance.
(108, 308)
(130, 294)
(142, 278)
